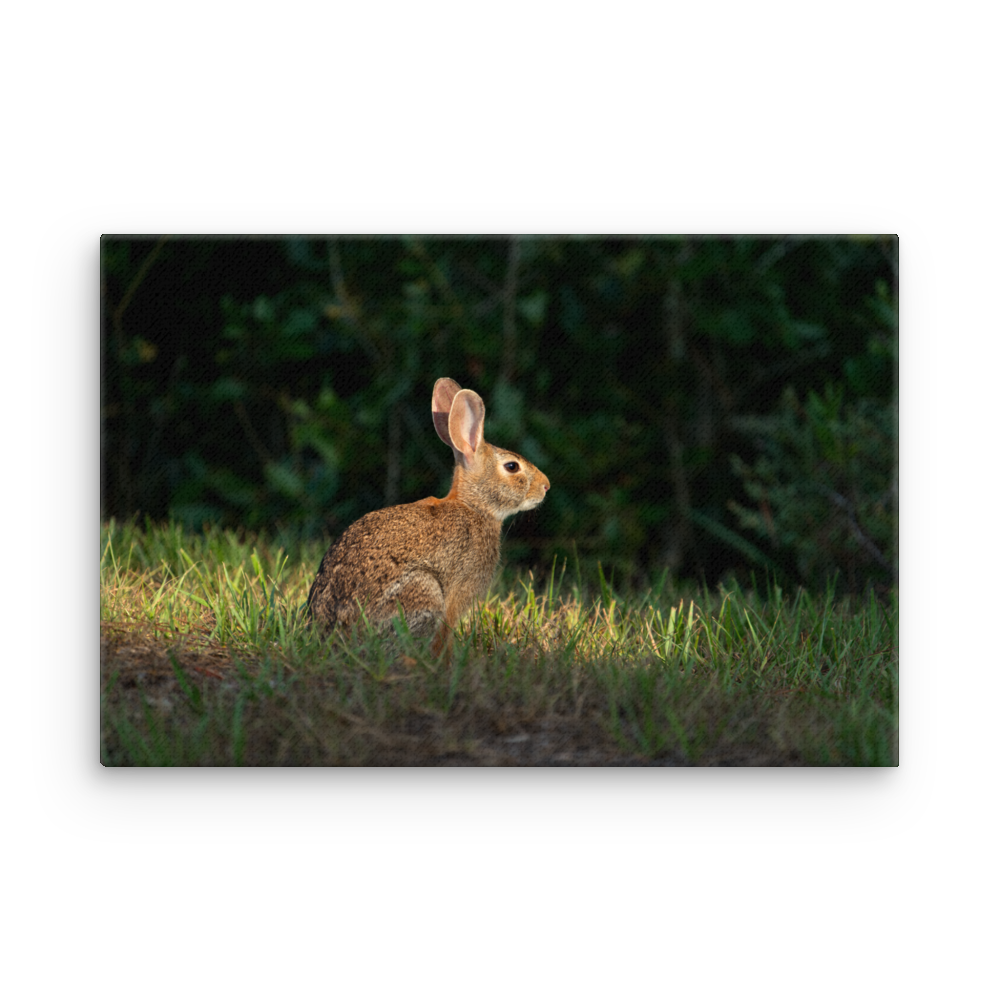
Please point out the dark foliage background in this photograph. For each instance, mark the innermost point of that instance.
(712, 406)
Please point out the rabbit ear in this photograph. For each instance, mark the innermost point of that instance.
(445, 390)
(465, 425)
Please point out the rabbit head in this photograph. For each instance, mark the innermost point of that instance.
(495, 480)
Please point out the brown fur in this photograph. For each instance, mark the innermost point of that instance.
(433, 557)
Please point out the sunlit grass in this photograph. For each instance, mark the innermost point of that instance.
(207, 659)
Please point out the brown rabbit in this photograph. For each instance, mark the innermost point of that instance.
(433, 557)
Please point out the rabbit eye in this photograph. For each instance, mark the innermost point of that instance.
(511, 466)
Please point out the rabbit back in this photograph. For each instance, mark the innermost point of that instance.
(432, 557)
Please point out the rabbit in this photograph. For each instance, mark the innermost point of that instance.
(434, 557)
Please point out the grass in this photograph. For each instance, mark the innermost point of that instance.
(206, 660)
